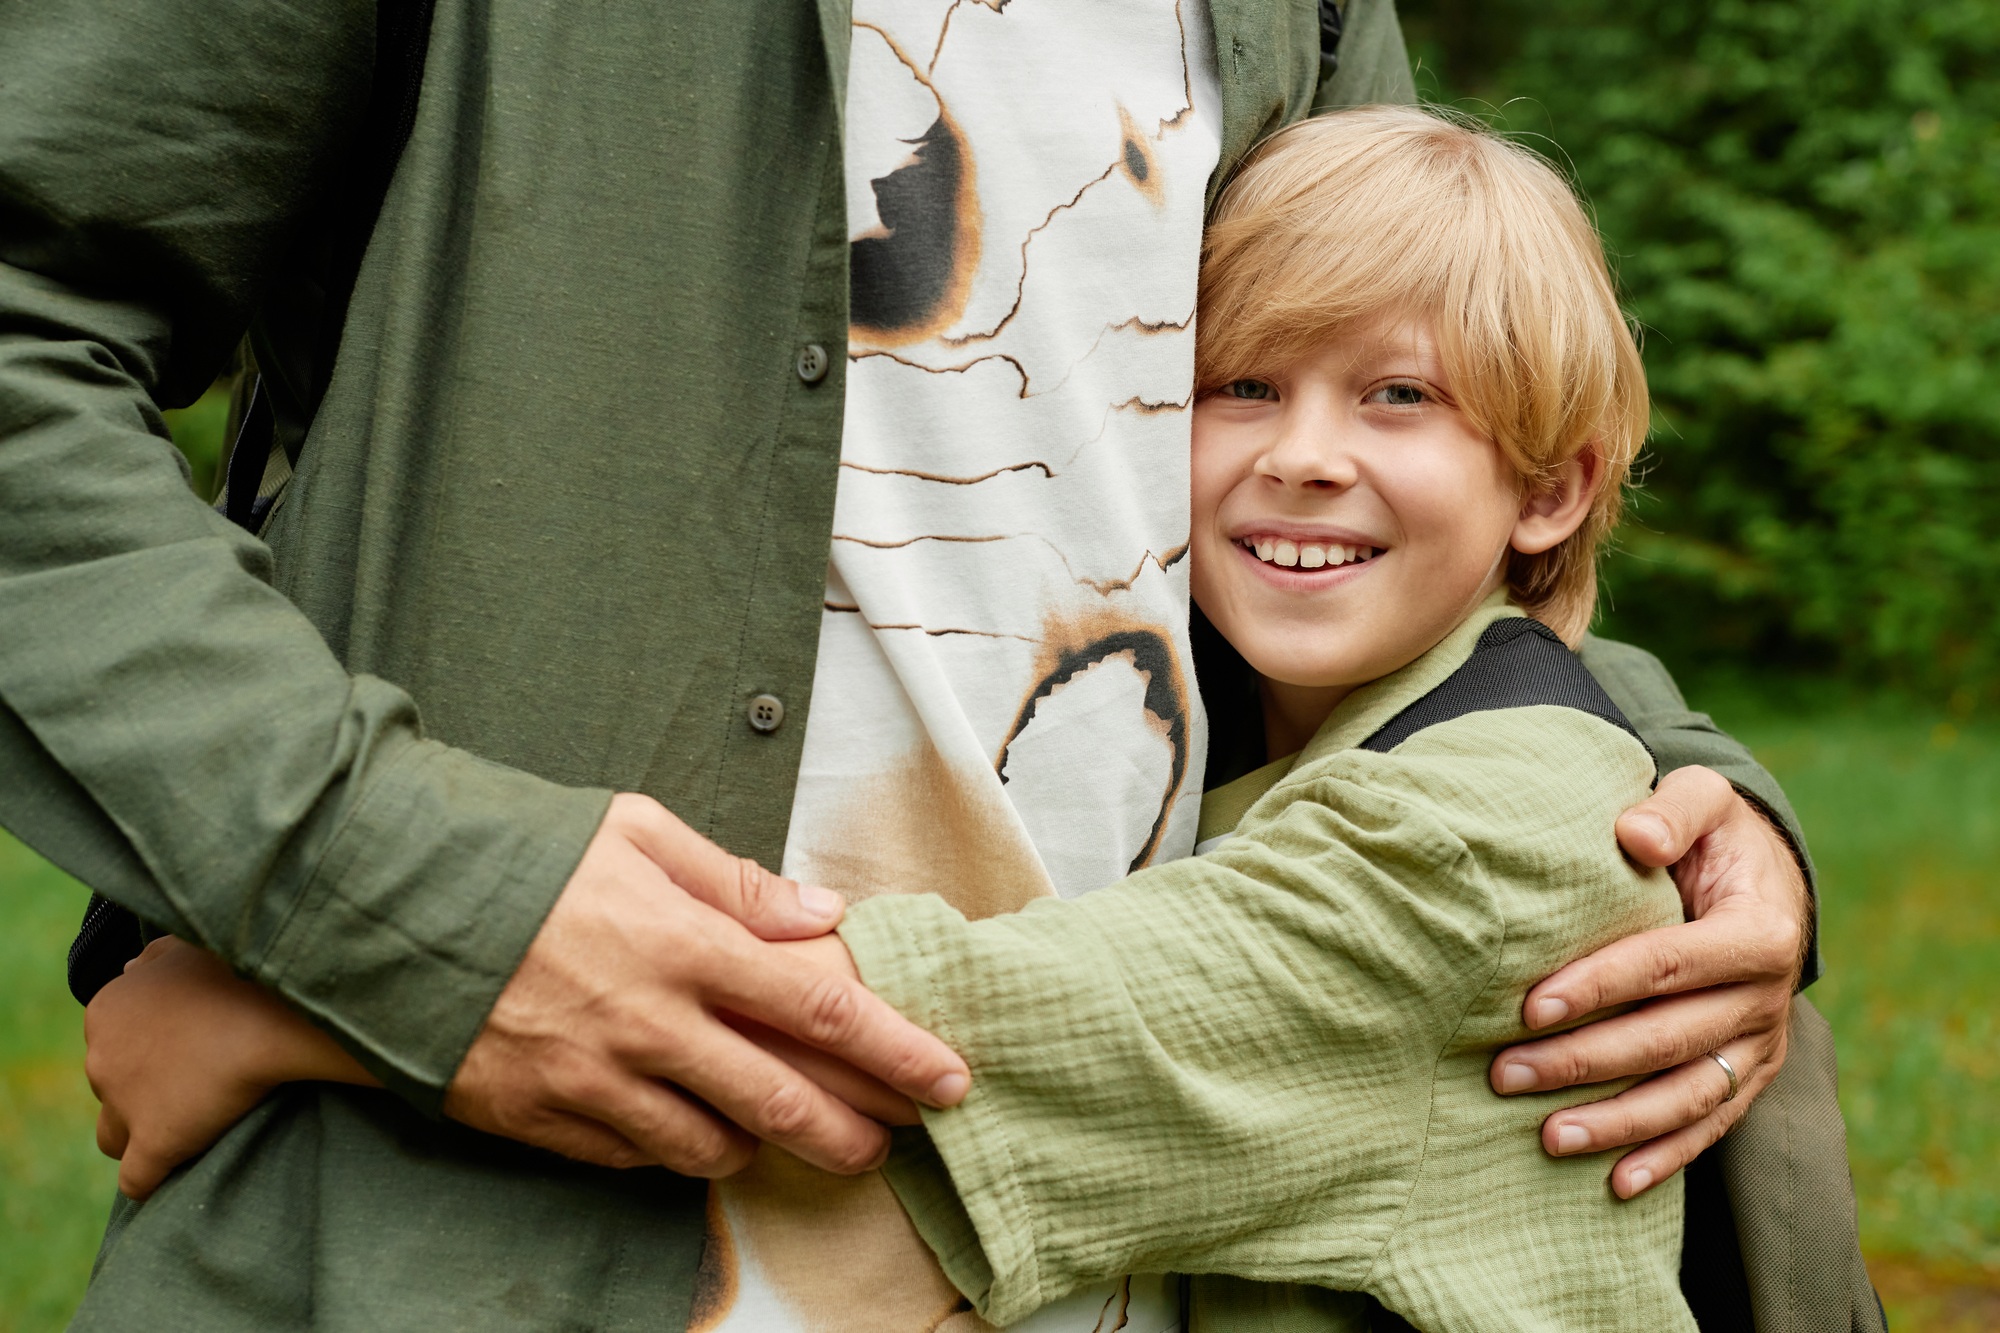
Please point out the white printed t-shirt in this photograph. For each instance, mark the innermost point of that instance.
(1004, 705)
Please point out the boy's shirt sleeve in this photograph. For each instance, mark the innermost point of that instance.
(1197, 1068)
(1645, 692)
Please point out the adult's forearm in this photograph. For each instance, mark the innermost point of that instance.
(173, 730)
(1680, 738)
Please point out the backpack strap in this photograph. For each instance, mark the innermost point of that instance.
(1518, 663)
(259, 466)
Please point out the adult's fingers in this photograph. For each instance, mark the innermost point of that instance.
(1656, 1036)
(1713, 951)
(607, 1116)
(1666, 1104)
(1648, 1165)
(771, 906)
(870, 1096)
(755, 1089)
(595, 1141)
(841, 1016)
(141, 1171)
(112, 1133)
(1688, 803)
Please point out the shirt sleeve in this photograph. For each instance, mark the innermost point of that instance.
(172, 730)
(1221, 1064)
(1643, 689)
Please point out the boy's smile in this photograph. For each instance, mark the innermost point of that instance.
(1347, 515)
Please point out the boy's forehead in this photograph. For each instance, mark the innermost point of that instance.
(1397, 334)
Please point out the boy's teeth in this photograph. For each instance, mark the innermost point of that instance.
(1299, 555)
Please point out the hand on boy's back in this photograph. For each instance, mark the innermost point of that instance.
(1722, 982)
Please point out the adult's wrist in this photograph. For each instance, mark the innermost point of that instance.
(422, 906)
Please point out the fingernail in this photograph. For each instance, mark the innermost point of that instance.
(1572, 1138)
(1640, 1181)
(1651, 826)
(1544, 1012)
(950, 1090)
(1516, 1077)
(819, 902)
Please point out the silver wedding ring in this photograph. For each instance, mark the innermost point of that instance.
(1727, 1068)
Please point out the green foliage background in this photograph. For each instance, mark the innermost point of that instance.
(1803, 204)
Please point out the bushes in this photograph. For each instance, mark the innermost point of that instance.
(1803, 201)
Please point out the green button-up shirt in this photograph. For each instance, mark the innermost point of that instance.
(567, 493)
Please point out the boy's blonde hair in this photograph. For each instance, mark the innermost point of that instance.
(1390, 212)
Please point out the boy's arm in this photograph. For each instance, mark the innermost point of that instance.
(1220, 1064)
(1722, 982)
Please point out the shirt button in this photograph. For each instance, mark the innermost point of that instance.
(812, 363)
(767, 713)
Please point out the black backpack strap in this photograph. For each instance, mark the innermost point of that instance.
(1518, 663)
(256, 474)
(258, 467)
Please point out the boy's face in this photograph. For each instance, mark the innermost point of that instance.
(1346, 514)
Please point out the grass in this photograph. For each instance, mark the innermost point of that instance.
(54, 1187)
(1903, 810)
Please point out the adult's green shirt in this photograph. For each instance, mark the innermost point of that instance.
(566, 491)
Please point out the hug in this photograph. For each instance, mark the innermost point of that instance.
(1122, 546)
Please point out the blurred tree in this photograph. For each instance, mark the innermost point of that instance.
(1803, 202)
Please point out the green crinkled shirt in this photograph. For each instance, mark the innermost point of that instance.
(1270, 1062)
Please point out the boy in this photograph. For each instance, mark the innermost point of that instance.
(1419, 401)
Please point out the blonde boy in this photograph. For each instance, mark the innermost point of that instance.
(1418, 402)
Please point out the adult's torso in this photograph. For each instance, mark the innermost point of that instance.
(569, 489)
(567, 486)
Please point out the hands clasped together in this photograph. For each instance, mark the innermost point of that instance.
(681, 1004)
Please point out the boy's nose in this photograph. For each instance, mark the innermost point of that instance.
(1310, 452)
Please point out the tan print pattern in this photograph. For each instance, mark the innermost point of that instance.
(1003, 705)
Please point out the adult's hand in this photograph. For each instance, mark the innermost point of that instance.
(178, 1048)
(1722, 983)
(654, 939)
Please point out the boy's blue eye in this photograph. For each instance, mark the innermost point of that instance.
(1402, 395)
(1254, 389)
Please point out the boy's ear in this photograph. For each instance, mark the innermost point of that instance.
(1550, 515)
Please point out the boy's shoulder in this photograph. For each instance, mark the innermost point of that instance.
(1518, 727)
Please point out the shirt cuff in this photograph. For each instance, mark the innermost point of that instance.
(422, 906)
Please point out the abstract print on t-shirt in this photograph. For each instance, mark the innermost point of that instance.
(1004, 705)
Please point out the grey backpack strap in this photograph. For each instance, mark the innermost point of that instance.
(1518, 663)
